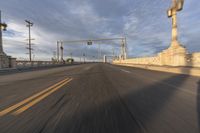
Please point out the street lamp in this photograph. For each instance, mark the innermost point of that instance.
(3, 26)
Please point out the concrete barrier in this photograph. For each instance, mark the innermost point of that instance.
(179, 70)
(25, 66)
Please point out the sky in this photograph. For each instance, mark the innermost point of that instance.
(143, 22)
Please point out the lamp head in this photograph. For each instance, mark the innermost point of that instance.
(169, 12)
(179, 5)
(4, 26)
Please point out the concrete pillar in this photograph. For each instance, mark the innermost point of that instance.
(104, 59)
(174, 28)
(12, 62)
(1, 42)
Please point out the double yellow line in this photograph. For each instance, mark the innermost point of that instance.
(29, 102)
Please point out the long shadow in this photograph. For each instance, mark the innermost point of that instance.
(111, 112)
(198, 104)
(103, 108)
(190, 64)
(148, 103)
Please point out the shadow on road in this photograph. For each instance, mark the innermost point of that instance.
(148, 103)
(105, 103)
(105, 110)
(198, 104)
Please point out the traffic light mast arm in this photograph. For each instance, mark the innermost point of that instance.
(90, 41)
(93, 40)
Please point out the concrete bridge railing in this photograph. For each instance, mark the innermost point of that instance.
(24, 64)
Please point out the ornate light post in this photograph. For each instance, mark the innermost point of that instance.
(5, 61)
(176, 54)
(177, 5)
(3, 27)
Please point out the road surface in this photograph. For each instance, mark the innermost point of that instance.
(99, 98)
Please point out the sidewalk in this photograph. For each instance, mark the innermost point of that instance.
(193, 71)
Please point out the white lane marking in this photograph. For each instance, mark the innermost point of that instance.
(125, 71)
(87, 68)
(168, 84)
(164, 83)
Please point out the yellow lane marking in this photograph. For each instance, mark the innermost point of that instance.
(9, 109)
(27, 106)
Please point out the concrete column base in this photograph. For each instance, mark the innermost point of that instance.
(7, 61)
(175, 55)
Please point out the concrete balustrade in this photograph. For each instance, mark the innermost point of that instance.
(173, 59)
(24, 64)
(185, 60)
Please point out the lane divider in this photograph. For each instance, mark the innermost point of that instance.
(35, 96)
(27, 106)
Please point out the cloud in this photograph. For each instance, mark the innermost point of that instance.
(144, 23)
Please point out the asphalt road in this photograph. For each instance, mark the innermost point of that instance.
(99, 98)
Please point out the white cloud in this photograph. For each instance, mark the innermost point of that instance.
(144, 23)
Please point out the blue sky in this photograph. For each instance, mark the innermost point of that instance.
(143, 22)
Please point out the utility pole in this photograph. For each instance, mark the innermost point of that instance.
(99, 52)
(113, 51)
(122, 50)
(29, 25)
(58, 49)
(61, 49)
(125, 48)
(71, 55)
(54, 55)
(84, 57)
